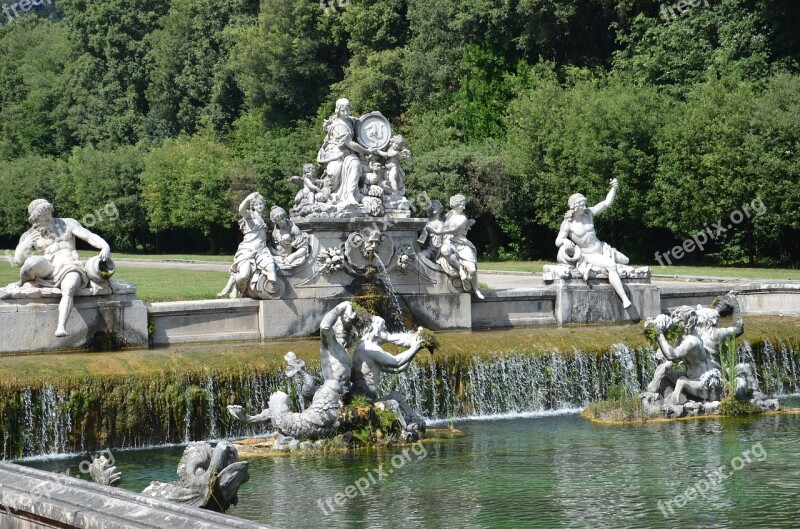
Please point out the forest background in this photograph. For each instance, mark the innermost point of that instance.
(172, 111)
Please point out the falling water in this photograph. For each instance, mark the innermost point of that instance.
(144, 412)
(397, 311)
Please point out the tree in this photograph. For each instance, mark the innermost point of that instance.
(22, 181)
(102, 189)
(36, 56)
(191, 79)
(288, 59)
(186, 185)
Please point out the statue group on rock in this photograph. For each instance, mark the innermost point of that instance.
(698, 387)
(342, 329)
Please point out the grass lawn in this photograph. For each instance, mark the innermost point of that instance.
(734, 272)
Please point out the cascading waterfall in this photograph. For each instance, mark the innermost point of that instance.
(137, 412)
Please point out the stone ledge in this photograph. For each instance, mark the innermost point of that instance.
(73, 503)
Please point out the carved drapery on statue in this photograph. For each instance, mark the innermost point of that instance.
(360, 170)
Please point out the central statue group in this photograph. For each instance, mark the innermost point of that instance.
(344, 376)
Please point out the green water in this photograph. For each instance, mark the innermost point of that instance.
(557, 471)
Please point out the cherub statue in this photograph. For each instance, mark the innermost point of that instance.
(291, 244)
(395, 176)
(313, 191)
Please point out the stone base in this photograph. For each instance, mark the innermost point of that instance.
(595, 301)
(97, 322)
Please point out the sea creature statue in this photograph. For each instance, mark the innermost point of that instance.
(370, 361)
(581, 250)
(337, 333)
(359, 375)
(698, 388)
(445, 240)
(209, 477)
(59, 269)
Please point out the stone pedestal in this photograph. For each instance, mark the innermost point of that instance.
(106, 322)
(578, 301)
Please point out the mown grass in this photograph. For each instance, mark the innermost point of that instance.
(731, 272)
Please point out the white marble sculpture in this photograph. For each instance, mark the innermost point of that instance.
(698, 387)
(289, 241)
(59, 268)
(370, 361)
(580, 248)
(361, 173)
(337, 334)
(445, 240)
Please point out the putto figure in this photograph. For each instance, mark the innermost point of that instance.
(59, 266)
(579, 246)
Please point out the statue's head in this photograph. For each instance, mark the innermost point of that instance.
(308, 169)
(343, 107)
(375, 329)
(258, 203)
(458, 202)
(40, 210)
(576, 201)
(398, 142)
(278, 215)
(706, 317)
(686, 316)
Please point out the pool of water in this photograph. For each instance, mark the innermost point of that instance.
(555, 471)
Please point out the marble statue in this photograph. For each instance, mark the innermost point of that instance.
(340, 330)
(370, 361)
(700, 383)
(59, 266)
(209, 477)
(579, 246)
(702, 378)
(254, 266)
(361, 172)
(337, 334)
(291, 244)
(446, 237)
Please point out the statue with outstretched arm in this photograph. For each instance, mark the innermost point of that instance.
(370, 361)
(578, 240)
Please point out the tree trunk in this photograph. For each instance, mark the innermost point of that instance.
(492, 236)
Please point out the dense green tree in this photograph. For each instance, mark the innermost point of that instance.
(102, 189)
(286, 61)
(191, 78)
(107, 82)
(36, 53)
(186, 184)
(22, 181)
